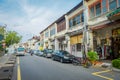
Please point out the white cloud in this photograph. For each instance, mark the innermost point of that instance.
(33, 20)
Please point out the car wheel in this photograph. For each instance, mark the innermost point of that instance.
(61, 60)
(53, 58)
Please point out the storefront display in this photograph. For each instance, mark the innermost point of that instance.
(116, 42)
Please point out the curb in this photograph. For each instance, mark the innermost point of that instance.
(115, 69)
(102, 65)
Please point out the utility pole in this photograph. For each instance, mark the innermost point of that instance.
(85, 32)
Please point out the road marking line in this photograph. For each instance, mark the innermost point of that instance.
(102, 72)
(18, 62)
(18, 70)
(98, 74)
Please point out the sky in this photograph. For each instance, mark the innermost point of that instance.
(30, 17)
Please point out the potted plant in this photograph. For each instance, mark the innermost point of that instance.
(93, 57)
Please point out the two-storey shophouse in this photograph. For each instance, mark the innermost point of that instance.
(75, 24)
(104, 27)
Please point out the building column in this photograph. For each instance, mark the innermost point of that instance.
(69, 47)
(56, 44)
(44, 45)
(67, 39)
(49, 44)
(67, 22)
(91, 40)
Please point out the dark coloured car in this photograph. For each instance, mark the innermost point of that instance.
(47, 53)
(62, 56)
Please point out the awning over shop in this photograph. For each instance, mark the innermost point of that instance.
(75, 32)
(114, 15)
(105, 25)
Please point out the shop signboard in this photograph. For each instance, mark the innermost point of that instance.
(115, 12)
(114, 15)
(116, 32)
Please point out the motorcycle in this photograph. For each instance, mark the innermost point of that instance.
(76, 61)
(31, 54)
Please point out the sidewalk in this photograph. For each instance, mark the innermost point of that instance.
(6, 66)
(103, 64)
(4, 59)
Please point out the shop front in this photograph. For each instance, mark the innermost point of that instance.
(106, 40)
(52, 44)
(46, 45)
(114, 16)
(116, 42)
(61, 44)
(76, 44)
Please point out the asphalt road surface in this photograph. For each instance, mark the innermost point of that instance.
(39, 68)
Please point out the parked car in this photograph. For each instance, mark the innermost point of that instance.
(62, 56)
(47, 53)
(34, 52)
(39, 53)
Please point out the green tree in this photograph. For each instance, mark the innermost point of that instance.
(12, 37)
(2, 31)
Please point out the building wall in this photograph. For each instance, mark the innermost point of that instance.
(53, 27)
(100, 28)
(52, 37)
(72, 48)
(95, 21)
(61, 26)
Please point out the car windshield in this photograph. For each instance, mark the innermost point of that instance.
(65, 52)
(21, 49)
(50, 50)
(35, 51)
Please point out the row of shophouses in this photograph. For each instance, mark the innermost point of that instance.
(92, 24)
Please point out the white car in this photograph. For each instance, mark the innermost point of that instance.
(20, 51)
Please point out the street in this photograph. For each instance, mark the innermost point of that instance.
(39, 68)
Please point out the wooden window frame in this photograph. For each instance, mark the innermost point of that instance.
(61, 26)
(100, 1)
(75, 17)
(118, 3)
(116, 6)
(107, 6)
(93, 5)
(47, 35)
(100, 8)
